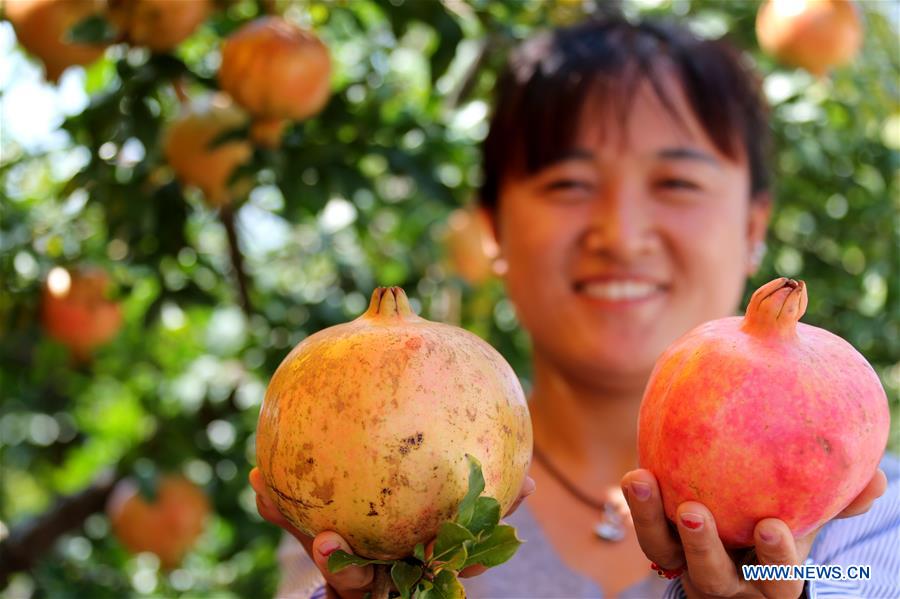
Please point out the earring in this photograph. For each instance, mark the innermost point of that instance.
(759, 252)
(499, 266)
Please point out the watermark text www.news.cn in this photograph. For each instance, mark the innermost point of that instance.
(807, 572)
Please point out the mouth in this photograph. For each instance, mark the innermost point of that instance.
(619, 291)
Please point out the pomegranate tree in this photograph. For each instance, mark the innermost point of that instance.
(277, 72)
(374, 429)
(763, 417)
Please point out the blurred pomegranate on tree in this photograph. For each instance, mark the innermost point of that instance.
(469, 246)
(277, 72)
(77, 312)
(168, 525)
(191, 150)
(41, 26)
(816, 35)
(157, 24)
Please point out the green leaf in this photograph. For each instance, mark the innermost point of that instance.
(423, 586)
(94, 29)
(405, 577)
(456, 561)
(495, 549)
(419, 552)
(485, 516)
(340, 559)
(476, 487)
(445, 586)
(146, 477)
(449, 540)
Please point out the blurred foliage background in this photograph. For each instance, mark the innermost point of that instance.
(356, 197)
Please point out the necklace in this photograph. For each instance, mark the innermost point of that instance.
(611, 526)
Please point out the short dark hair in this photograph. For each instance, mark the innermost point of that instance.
(541, 93)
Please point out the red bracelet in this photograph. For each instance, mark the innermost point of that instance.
(663, 573)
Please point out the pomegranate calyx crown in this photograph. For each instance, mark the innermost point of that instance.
(775, 308)
(390, 302)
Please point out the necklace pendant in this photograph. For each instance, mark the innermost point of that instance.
(609, 531)
(610, 528)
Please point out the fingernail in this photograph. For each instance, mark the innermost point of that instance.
(530, 486)
(769, 536)
(640, 490)
(328, 547)
(692, 521)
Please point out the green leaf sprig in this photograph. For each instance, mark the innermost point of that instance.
(473, 537)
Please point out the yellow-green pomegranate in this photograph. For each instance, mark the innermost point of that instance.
(366, 426)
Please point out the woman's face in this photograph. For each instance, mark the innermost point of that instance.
(636, 237)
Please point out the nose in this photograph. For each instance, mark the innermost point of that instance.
(620, 222)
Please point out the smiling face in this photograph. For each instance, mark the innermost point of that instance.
(640, 232)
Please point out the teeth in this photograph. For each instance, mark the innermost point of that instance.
(618, 290)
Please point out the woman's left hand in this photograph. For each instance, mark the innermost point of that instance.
(710, 569)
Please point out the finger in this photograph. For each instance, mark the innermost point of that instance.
(775, 546)
(264, 504)
(528, 487)
(861, 504)
(270, 512)
(349, 580)
(710, 569)
(258, 482)
(650, 523)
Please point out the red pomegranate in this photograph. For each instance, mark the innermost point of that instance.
(158, 24)
(277, 72)
(168, 526)
(816, 35)
(41, 27)
(763, 417)
(189, 150)
(76, 311)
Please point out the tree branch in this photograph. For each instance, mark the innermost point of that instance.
(226, 215)
(27, 543)
(493, 44)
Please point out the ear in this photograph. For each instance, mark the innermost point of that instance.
(487, 221)
(757, 225)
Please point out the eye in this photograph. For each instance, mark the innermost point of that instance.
(562, 184)
(676, 183)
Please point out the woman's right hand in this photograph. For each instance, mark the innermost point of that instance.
(353, 582)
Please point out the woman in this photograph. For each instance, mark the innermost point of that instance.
(626, 183)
